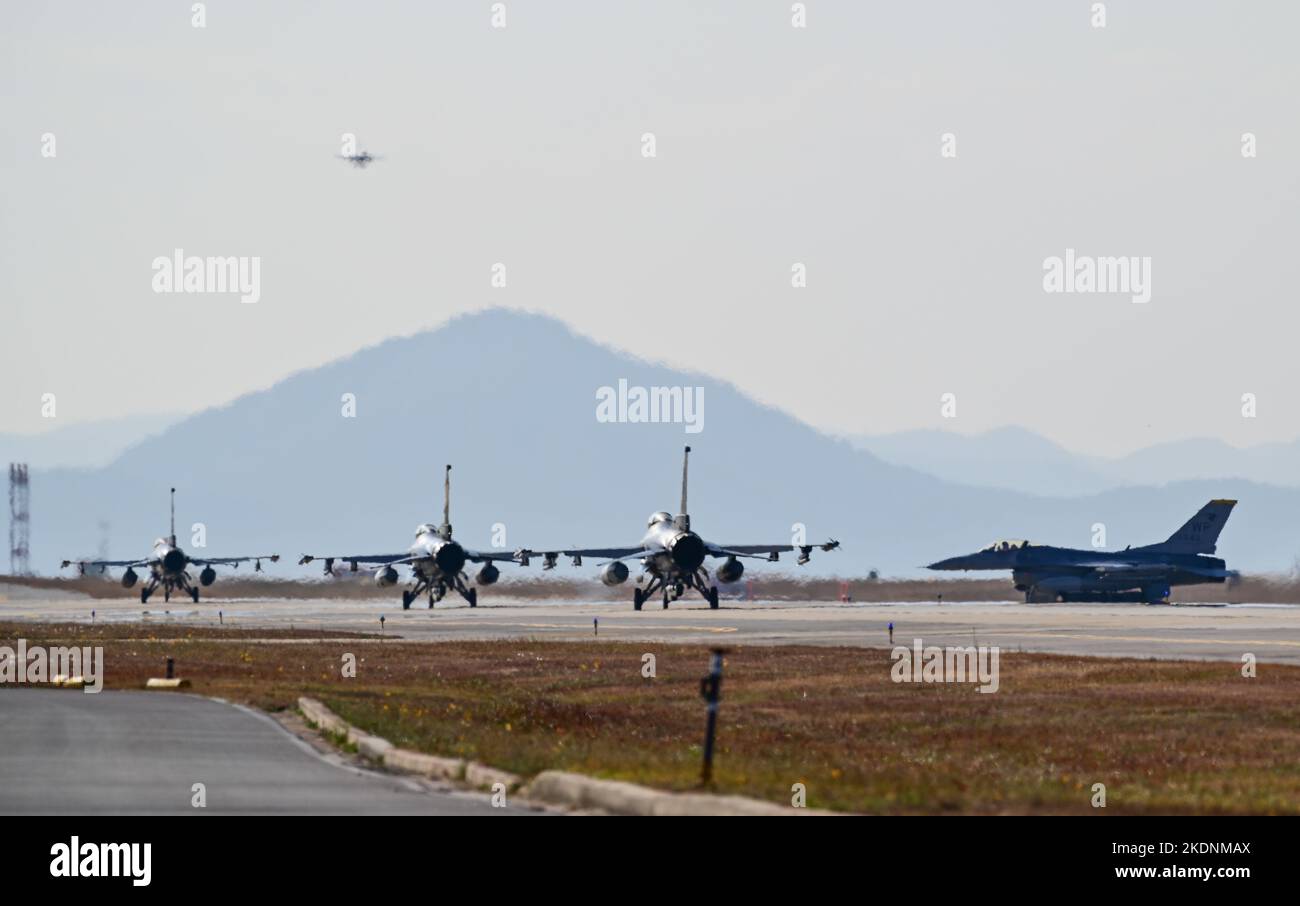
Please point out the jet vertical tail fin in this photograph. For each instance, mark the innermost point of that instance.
(683, 520)
(1200, 533)
(445, 528)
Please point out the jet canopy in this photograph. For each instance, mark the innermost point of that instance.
(425, 528)
(656, 518)
(1008, 545)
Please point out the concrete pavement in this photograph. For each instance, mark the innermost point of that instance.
(1270, 632)
(66, 752)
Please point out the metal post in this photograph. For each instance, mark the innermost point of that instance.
(20, 518)
(171, 668)
(595, 625)
(711, 689)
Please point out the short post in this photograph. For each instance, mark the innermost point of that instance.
(92, 616)
(381, 624)
(171, 668)
(711, 690)
(595, 625)
(891, 632)
(221, 618)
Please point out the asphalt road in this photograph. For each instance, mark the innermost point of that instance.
(1209, 632)
(68, 752)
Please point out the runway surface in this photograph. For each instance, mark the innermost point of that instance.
(141, 753)
(1270, 632)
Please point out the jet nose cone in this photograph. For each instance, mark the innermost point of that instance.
(950, 563)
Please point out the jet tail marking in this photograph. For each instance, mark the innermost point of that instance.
(1200, 533)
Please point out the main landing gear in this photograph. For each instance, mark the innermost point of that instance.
(675, 589)
(437, 589)
(167, 587)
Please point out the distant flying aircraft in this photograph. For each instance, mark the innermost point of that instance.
(360, 159)
(673, 556)
(167, 564)
(1143, 574)
(435, 560)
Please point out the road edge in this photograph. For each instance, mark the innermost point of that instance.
(559, 788)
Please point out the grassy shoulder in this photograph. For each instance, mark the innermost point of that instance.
(1163, 736)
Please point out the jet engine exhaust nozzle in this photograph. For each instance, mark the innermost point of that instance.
(688, 551)
(450, 558)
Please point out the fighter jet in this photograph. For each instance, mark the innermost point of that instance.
(673, 556)
(167, 566)
(359, 160)
(435, 560)
(1141, 574)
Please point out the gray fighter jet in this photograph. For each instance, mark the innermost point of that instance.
(673, 557)
(1143, 574)
(435, 560)
(167, 566)
(360, 160)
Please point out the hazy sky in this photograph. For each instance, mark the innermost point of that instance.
(775, 145)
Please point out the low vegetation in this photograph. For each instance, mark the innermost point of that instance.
(1163, 736)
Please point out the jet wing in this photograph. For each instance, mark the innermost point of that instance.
(235, 561)
(577, 553)
(1213, 572)
(488, 556)
(103, 564)
(363, 559)
(612, 553)
(768, 551)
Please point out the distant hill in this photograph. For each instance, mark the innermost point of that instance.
(84, 445)
(1016, 459)
(1010, 458)
(510, 399)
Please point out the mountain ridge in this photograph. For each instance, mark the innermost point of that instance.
(510, 398)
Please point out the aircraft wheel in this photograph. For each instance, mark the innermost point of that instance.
(406, 599)
(194, 593)
(472, 596)
(167, 594)
(713, 599)
(637, 599)
(144, 596)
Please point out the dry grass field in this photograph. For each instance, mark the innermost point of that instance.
(1164, 736)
